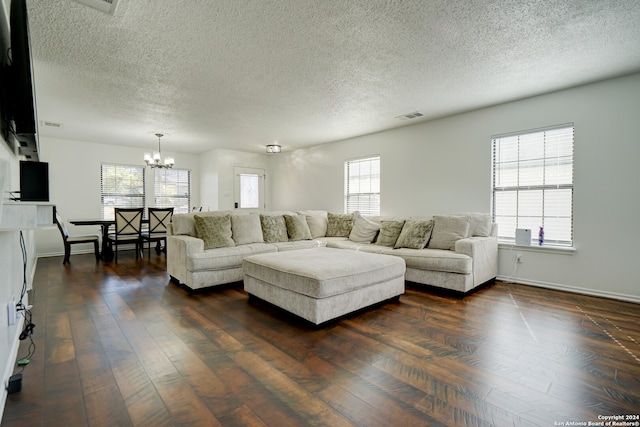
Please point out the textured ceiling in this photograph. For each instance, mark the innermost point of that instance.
(240, 74)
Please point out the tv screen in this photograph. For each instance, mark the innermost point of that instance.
(23, 96)
(34, 181)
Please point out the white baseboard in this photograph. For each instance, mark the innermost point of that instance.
(573, 289)
(11, 363)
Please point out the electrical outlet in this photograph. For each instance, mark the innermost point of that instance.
(519, 258)
(11, 313)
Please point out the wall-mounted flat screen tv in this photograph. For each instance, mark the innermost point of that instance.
(34, 181)
(17, 94)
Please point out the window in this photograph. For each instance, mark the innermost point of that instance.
(249, 188)
(172, 189)
(122, 186)
(249, 185)
(362, 185)
(533, 184)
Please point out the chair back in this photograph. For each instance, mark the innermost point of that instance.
(159, 219)
(61, 226)
(128, 221)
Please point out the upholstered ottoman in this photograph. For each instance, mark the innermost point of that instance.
(322, 284)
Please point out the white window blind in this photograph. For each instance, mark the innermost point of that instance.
(362, 185)
(172, 189)
(122, 186)
(533, 184)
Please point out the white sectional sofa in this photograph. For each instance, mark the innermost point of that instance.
(456, 252)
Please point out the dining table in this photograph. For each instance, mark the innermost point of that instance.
(106, 251)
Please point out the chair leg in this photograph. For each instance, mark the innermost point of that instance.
(96, 250)
(67, 253)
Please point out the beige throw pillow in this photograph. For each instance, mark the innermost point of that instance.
(317, 222)
(415, 234)
(339, 225)
(480, 224)
(274, 229)
(297, 227)
(246, 229)
(389, 232)
(447, 230)
(183, 224)
(364, 230)
(215, 231)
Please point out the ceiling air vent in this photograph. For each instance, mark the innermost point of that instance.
(106, 6)
(51, 124)
(410, 116)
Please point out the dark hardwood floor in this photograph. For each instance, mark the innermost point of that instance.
(118, 345)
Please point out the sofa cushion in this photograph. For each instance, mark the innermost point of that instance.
(297, 227)
(427, 259)
(447, 229)
(274, 229)
(364, 230)
(215, 231)
(389, 232)
(298, 244)
(246, 229)
(339, 225)
(415, 234)
(225, 258)
(343, 243)
(317, 222)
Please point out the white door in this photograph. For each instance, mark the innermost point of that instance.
(249, 189)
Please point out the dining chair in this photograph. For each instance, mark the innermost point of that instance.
(71, 240)
(159, 219)
(197, 209)
(128, 229)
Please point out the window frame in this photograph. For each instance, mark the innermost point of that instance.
(158, 194)
(558, 178)
(141, 197)
(358, 200)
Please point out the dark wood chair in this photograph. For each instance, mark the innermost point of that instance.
(71, 240)
(159, 219)
(128, 229)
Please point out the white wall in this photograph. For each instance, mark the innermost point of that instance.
(74, 183)
(11, 273)
(217, 177)
(444, 166)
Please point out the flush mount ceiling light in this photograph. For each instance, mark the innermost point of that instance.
(273, 149)
(155, 160)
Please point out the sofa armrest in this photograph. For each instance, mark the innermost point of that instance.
(178, 248)
(484, 251)
(189, 244)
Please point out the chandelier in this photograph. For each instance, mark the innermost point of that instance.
(155, 160)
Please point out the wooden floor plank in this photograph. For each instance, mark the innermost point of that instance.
(121, 345)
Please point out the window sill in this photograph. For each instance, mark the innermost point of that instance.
(562, 250)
